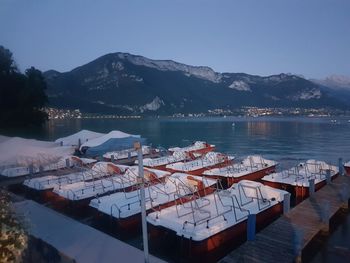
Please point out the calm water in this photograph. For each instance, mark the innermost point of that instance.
(287, 140)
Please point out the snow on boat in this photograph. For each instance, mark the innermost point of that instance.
(347, 168)
(296, 179)
(98, 170)
(78, 138)
(127, 153)
(196, 147)
(46, 184)
(196, 167)
(126, 181)
(252, 168)
(212, 224)
(162, 162)
(126, 208)
(55, 164)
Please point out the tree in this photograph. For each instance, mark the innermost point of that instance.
(7, 64)
(22, 96)
(13, 236)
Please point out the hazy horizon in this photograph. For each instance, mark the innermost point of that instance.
(309, 38)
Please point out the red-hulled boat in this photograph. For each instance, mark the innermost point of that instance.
(251, 168)
(124, 207)
(161, 162)
(347, 168)
(197, 147)
(296, 179)
(206, 228)
(197, 167)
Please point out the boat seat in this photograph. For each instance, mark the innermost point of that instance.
(77, 160)
(113, 169)
(149, 176)
(194, 184)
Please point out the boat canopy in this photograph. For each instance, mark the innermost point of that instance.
(114, 144)
(83, 136)
(104, 138)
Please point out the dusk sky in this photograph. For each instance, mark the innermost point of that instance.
(264, 37)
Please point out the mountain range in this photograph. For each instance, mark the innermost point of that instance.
(123, 83)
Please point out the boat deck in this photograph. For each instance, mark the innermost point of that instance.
(75, 240)
(281, 240)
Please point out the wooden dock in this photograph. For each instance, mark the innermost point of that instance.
(288, 238)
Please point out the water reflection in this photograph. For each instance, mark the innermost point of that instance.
(285, 139)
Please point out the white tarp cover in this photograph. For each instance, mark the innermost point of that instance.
(83, 135)
(4, 138)
(20, 151)
(102, 139)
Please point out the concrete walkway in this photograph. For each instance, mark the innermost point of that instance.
(76, 240)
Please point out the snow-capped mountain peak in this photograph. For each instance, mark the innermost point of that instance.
(334, 81)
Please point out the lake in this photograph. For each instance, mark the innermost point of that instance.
(285, 139)
(288, 140)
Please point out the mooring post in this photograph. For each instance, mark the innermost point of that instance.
(67, 162)
(129, 155)
(112, 158)
(138, 148)
(328, 176)
(325, 214)
(61, 143)
(31, 169)
(298, 236)
(41, 168)
(286, 203)
(251, 224)
(340, 166)
(79, 143)
(311, 187)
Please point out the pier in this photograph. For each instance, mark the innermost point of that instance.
(287, 239)
(75, 241)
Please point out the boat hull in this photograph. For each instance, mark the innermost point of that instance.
(159, 167)
(347, 170)
(213, 248)
(204, 150)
